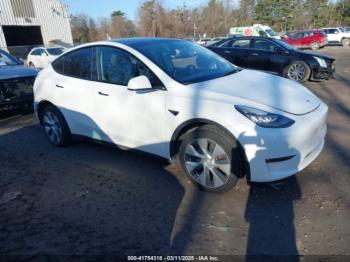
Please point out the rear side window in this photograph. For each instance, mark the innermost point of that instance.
(75, 64)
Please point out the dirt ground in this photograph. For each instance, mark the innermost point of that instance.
(93, 199)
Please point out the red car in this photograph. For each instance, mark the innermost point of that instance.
(313, 39)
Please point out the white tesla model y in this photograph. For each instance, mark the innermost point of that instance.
(178, 100)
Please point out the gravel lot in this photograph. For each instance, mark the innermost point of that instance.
(93, 199)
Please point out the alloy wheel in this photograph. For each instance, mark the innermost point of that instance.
(207, 163)
(314, 46)
(52, 127)
(296, 72)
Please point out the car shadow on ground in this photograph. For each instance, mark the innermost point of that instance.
(86, 199)
(89, 199)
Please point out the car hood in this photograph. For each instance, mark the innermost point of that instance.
(266, 89)
(8, 72)
(317, 54)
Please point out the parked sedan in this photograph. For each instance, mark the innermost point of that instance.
(275, 56)
(40, 57)
(16, 83)
(313, 39)
(178, 100)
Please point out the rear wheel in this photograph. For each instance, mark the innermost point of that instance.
(31, 65)
(345, 42)
(297, 71)
(314, 45)
(210, 158)
(55, 126)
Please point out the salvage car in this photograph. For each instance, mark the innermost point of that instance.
(275, 56)
(180, 101)
(16, 83)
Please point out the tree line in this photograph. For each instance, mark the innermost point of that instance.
(212, 19)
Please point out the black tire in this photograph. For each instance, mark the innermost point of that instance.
(64, 136)
(345, 42)
(225, 142)
(314, 45)
(305, 77)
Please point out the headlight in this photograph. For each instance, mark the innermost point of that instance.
(263, 118)
(321, 61)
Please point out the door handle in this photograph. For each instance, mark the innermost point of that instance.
(59, 86)
(103, 94)
(255, 54)
(227, 52)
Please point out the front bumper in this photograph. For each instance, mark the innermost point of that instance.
(322, 73)
(274, 154)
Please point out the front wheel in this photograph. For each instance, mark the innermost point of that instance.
(345, 42)
(297, 71)
(211, 158)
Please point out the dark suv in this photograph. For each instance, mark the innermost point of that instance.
(275, 56)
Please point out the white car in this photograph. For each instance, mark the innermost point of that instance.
(337, 35)
(40, 57)
(180, 101)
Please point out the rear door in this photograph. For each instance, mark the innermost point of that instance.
(73, 90)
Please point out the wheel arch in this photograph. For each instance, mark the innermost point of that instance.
(40, 107)
(197, 122)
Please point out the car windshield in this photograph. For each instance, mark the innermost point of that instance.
(55, 50)
(271, 32)
(8, 60)
(341, 29)
(285, 45)
(186, 62)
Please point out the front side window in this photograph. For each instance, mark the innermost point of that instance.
(264, 45)
(55, 51)
(116, 66)
(186, 62)
(271, 32)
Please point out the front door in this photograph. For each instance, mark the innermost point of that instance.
(264, 55)
(134, 119)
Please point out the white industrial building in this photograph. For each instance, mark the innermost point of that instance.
(28, 23)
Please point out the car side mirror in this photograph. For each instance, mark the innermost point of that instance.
(43, 54)
(139, 83)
